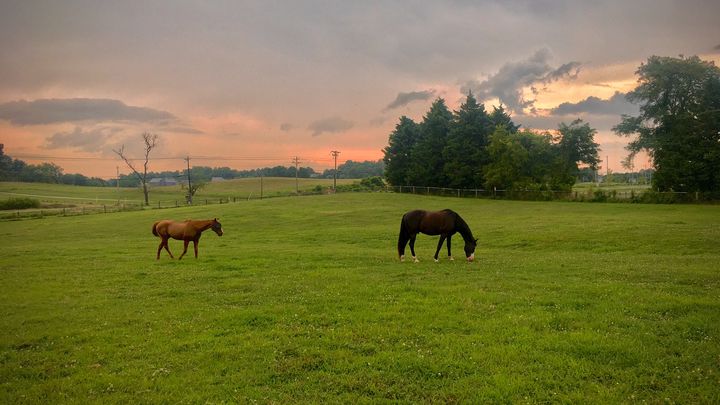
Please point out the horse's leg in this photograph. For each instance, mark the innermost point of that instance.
(167, 247)
(412, 247)
(402, 241)
(185, 245)
(162, 243)
(440, 242)
(448, 246)
(195, 243)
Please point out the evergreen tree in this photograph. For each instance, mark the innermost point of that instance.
(398, 152)
(466, 150)
(500, 117)
(427, 160)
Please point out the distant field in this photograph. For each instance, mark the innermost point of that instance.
(303, 300)
(618, 187)
(236, 188)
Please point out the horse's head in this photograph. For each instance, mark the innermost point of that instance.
(217, 227)
(470, 250)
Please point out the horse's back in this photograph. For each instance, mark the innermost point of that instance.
(160, 228)
(431, 222)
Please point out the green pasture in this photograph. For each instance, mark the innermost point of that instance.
(303, 300)
(229, 189)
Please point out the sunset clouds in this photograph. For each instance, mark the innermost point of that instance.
(280, 79)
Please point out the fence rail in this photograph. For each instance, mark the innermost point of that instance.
(92, 207)
(589, 195)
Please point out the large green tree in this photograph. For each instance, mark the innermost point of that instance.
(397, 154)
(576, 147)
(679, 122)
(508, 158)
(427, 160)
(528, 160)
(466, 151)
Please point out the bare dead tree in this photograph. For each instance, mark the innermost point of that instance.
(150, 143)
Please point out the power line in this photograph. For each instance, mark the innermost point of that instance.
(213, 158)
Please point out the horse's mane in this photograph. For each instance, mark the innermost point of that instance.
(463, 227)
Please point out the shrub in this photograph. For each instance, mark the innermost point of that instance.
(19, 203)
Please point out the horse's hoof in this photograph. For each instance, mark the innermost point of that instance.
(451, 258)
(402, 258)
(415, 260)
(436, 260)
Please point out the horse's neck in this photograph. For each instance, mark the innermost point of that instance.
(202, 226)
(464, 230)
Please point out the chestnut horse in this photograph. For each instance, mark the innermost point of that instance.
(444, 223)
(185, 231)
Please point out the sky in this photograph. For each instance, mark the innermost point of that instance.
(248, 84)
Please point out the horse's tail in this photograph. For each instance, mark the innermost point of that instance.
(154, 229)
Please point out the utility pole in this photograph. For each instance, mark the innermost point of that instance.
(335, 154)
(117, 182)
(189, 198)
(296, 160)
(607, 169)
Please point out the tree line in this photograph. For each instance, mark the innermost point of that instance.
(18, 170)
(471, 148)
(678, 126)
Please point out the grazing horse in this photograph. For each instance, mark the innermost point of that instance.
(444, 223)
(185, 231)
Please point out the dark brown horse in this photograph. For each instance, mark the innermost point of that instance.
(185, 231)
(444, 223)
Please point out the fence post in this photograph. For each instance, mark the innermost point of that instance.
(105, 208)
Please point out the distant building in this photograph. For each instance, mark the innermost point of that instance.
(216, 179)
(160, 181)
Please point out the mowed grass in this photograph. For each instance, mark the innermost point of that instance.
(304, 300)
(236, 188)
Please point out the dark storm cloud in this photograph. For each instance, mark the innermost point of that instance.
(569, 70)
(92, 140)
(508, 83)
(53, 111)
(615, 105)
(404, 99)
(332, 125)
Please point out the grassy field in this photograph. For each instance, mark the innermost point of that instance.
(236, 188)
(303, 300)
